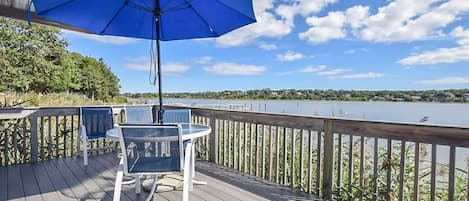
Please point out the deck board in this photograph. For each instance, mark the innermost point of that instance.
(3, 183)
(68, 179)
(15, 187)
(30, 184)
(62, 188)
(45, 186)
(75, 185)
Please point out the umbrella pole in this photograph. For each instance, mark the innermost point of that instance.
(160, 92)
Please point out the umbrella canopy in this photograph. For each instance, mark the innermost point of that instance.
(150, 19)
(176, 19)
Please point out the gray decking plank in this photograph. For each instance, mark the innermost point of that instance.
(62, 188)
(65, 177)
(206, 193)
(177, 195)
(3, 183)
(15, 186)
(108, 169)
(257, 186)
(157, 197)
(30, 185)
(48, 192)
(75, 185)
(87, 180)
(104, 178)
(225, 191)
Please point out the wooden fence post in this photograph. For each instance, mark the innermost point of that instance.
(213, 141)
(328, 170)
(33, 137)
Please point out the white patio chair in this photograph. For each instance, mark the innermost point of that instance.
(138, 114)
(95, 121)
(176, 116)
(152, 162)
(182, 116)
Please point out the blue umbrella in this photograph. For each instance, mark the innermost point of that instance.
(157, 20)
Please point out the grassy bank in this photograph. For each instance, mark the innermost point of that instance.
(53, 99)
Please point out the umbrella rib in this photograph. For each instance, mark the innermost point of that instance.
(254, 19)
(54, 7)
(139, 7)
(113, 17)
(202, 18)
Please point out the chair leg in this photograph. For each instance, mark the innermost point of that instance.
(153, 188)
(138, 184)
(118, 184)
(187, 172)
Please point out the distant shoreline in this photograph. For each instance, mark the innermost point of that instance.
(432, 96)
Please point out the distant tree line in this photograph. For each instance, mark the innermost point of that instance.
(450, 95)
(35, 59)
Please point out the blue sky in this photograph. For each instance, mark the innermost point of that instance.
(307, 44)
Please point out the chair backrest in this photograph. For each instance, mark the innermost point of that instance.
(97, 120)
(176, 116)
(151, 149)
(139, 114)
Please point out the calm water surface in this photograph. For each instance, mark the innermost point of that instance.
(433, 113)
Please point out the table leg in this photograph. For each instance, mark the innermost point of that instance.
(187, 185)
(193, 167)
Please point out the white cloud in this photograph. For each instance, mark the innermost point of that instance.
(351, 51)
(116, 40)
(290, 56)
(443, 55)
(307, 69)
(332, 72)
(174, 68)
(226, 68)
(324, 28)
(204, 60)
(312, 69)
(399, 20)
(143, 64)
(268, 47)
(268, 23)
(445, 81)
(301, 7)
(404, 20)
(362, 75)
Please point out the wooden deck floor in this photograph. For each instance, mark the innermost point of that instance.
(68, 179)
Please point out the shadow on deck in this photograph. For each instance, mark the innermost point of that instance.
(68, 179)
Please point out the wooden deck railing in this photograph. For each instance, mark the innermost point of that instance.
(35, 134)
(334, 158)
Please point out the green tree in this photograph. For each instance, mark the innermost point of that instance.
(34, 59)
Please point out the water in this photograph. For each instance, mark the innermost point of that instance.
(452, 114)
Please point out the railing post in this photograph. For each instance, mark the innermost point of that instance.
(33, 137)
(328, 170)
(213, 141)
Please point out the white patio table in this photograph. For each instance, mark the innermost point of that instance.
(190, 133)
